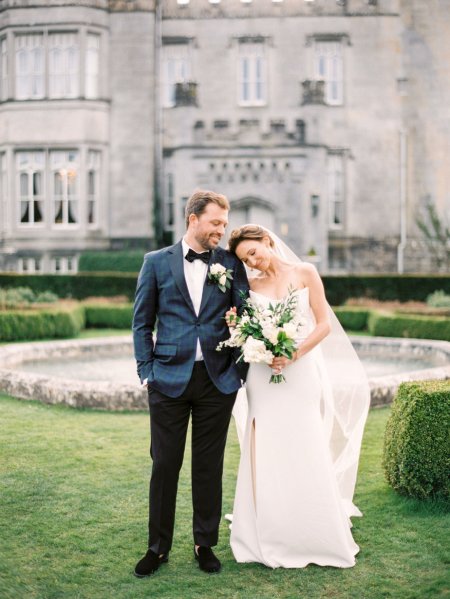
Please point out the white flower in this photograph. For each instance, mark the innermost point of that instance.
(270, 332)
(222, 279)
(290, 329)
(236, 339)
(217, 269)
(254, 350)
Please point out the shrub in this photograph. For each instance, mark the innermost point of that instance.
(76, 286)
(439, 299)
(115, 261)
(16, 296)
(338, 288)
(401, 325)
(387, 287)
(46, 297)
(352, 319)
(109, 316)
(415, 454)
(18, 325)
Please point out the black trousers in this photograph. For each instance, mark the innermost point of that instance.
(169, 419)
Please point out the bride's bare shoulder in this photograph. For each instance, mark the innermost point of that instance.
(255, 283)
(307, 273)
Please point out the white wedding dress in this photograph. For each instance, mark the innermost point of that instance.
(289, 508)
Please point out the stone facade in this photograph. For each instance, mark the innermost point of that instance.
(324, 120)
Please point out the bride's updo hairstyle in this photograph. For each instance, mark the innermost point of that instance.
(253, 232)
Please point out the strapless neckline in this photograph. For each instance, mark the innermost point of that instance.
(278, 299)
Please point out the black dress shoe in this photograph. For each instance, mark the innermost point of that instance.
(207, 561)
(150, 563)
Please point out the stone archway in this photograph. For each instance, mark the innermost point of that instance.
(251, 209)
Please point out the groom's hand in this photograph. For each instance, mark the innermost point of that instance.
(230, 317)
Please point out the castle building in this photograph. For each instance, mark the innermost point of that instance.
(324, 120)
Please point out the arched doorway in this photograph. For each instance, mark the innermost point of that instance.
(251, 210)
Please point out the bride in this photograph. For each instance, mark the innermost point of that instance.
(301, 438)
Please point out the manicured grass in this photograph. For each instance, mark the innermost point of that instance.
(74, 509)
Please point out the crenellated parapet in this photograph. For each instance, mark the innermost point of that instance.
(274, 132)
(132, 5)
(191, 9)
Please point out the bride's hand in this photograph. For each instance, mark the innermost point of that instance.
(279, 363)
(230, 317)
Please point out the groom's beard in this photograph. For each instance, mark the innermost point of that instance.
(209, 242)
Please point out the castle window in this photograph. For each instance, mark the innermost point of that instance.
(63, 56)
(92, 65)
(3, 69)
(93, 187)
(336, 191)
(64, 265)
(49, 65)
(64, 187)
(252, 77)
(30, 67)
(328, 67)
(176, 70)
(29, 265)
(30, 173)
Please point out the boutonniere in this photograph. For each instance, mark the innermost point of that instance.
(220, 275)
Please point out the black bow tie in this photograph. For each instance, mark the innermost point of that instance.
(204, 256)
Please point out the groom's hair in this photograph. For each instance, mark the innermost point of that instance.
(198, 201)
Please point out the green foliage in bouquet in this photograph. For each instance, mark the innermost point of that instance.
(415, 456)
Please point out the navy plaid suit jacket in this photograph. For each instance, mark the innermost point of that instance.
(162, 299)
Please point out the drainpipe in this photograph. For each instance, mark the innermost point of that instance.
(158, 152)
(401, 246)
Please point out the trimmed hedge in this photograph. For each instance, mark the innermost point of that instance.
(77, 286)
(383, 324)
(109, 316)
(119, 261)
(21, 325)
(338, 288)
(415, 454)
(352, 319)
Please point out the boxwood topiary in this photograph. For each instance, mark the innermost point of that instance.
(384, 324)
(352, 319)
(416, 443)
(117, 316)
(21, 325)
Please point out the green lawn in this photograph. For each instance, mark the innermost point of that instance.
(74, 510)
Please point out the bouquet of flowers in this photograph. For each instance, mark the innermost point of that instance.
(263, 333)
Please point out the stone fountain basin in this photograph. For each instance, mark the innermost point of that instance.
(113, 396)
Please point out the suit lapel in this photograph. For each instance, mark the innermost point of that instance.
(176, 266)
(208, 289)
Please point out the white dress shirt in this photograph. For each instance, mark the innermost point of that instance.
(195, 275)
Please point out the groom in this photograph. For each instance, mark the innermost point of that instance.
(185, 375)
